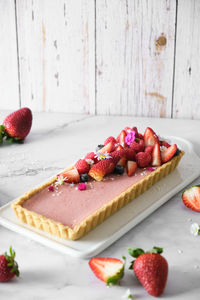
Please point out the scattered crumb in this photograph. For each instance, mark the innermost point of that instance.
(180, 251)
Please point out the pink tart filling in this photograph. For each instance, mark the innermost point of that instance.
(67, 205)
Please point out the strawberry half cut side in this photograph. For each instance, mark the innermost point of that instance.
(191, 198)
(70, 175)
(150, 138)
(168, 153)
(109, 270)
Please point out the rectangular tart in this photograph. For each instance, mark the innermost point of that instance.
(48, 211)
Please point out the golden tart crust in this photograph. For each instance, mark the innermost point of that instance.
(65, 232)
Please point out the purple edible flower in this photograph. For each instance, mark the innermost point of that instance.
(130, 137)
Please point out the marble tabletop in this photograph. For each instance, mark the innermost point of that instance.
(56, 140)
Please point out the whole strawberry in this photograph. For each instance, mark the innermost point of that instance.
(151, 269)
(17, 125)
(8, 266)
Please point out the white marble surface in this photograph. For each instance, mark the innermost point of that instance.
(55, 141)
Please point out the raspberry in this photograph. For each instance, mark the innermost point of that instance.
(130, 154)
(116, 155)
(143, 159)
(91, 155)
(149, 149)
(137, 146)
(141, 137)
(110, 139)
(82, 166)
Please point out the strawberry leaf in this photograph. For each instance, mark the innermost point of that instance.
(131, 265)
(135, 252)
(155, 250)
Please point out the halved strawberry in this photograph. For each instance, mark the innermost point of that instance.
(107, 148)
(165, 144)
(150, 138)
(122, 161)
(109, 270)
(191, 198)
(168, 153)
(110, 139)
(127, 129)
(131, 167)
(119, 147)
(122, 138)
(70, 175)
(82, 166)
(102, 168)
(156, 156)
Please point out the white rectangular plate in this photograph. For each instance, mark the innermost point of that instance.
(122, 221)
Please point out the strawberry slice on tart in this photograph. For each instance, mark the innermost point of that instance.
(102, 168)
(156, 156)
(107, 148)
(131, 167)
(109, 270)
(167, 154)
(150, 138)
(70, 175)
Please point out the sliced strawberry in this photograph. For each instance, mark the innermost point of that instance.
(130, 154)
(102, 168)
(107, 148)
(165, 144)
(119, 147)
(131, 167)
(70, 176)
(191, 198)
(122, 161)
(82, 166)
(168, 153)
(143, 159)
(127, 129)
(122, 138)
(110, 139)
(150, 138)
(109, 270)
(156, 156)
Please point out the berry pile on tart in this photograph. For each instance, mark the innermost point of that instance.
(128, 152)
(99, 184)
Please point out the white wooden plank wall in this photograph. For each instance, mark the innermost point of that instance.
(187, 63)
(9, 84)
(56, 55)
(119, 57)
(135, 50)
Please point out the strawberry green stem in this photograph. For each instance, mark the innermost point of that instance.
(11, 262)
